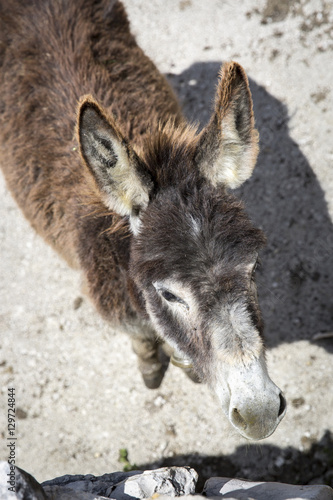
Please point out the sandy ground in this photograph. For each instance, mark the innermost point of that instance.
(79, 395)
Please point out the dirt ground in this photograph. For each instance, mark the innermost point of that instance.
(79, 394)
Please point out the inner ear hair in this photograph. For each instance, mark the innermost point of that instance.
(120, 175)
(228, 147)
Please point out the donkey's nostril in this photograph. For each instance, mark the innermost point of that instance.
(283, 405)
(237, 419)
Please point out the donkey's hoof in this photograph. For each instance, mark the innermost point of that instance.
(152, 375)
(153, 381)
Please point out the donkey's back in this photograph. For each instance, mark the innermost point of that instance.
(52, 53)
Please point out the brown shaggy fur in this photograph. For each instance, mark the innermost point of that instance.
(51, 54)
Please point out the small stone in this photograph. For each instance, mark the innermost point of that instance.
(159, 401)
(297, 402)
(21, 414)
(77, 303)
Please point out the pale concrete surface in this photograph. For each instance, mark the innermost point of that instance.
(79, 392)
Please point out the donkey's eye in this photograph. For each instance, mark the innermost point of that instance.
(170, 297)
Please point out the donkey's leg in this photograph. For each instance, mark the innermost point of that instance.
(150, 365)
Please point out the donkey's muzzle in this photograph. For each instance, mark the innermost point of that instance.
(254, 426)
(253, 403)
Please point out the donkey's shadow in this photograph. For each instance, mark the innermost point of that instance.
(312, 465)
(285, 198)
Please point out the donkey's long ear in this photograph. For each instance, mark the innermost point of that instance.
(228, 147)
(120, 175)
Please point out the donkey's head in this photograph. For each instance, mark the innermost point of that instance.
(194, 250)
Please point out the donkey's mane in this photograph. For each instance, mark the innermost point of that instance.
(168, 153)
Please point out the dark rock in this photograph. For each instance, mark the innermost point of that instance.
(237, 489)
(160, 483)
(17, 484)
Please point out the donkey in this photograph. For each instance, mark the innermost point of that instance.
(137, 199)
